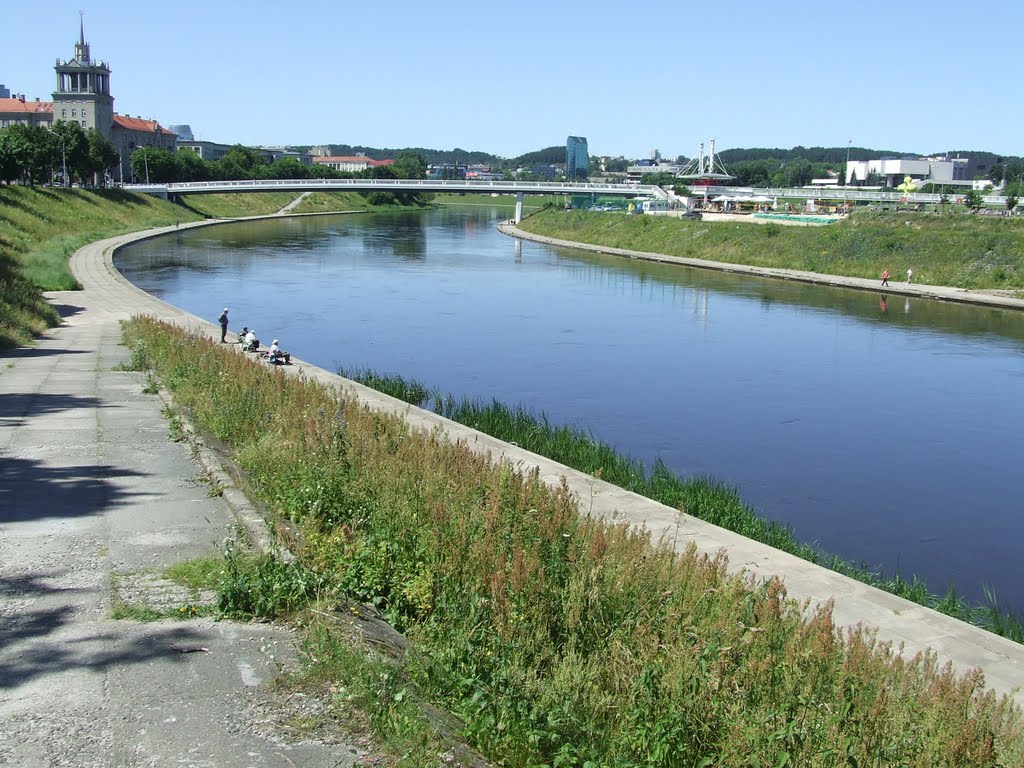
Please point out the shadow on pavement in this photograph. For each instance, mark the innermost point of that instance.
(21, 352)
(31, 490)
(16, 406)
(68, 310)
(27, 649)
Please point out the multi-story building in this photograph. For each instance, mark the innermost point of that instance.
(351, 164)
(83, 96)
(892, 171)
(576, 158)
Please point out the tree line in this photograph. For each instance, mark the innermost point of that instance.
(67, 153)
(38, 155)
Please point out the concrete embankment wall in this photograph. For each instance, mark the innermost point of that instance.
(897, 620)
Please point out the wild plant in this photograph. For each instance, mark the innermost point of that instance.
(555, 638)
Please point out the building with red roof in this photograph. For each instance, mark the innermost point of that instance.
(83, 96)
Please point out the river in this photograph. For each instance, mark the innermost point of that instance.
(885, 431)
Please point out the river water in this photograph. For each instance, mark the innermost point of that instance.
(883, 430)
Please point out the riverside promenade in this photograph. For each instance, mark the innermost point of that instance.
(96, 501)
(117, 688)
(896, 286)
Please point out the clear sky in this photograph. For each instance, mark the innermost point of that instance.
(512, 77)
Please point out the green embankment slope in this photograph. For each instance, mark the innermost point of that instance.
(41, 227)
(954, 249)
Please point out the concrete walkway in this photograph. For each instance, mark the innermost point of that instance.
(95, 501)
(895, 288)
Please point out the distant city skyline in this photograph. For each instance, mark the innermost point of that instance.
(916, 76)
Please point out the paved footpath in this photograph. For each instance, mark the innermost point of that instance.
(93, 493)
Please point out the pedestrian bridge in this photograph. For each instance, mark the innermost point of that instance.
(449, 186)
(520, 188)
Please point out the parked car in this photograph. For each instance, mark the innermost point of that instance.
(692, 214)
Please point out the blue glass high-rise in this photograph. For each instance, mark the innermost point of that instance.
(577, 158)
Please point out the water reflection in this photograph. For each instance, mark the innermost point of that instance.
(886, 436)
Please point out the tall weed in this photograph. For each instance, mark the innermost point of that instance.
(557, 639)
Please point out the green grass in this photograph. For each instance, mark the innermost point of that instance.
(554, 639)
(204, 573)
(235, 205)
(330, 202)
(530, 202)
(41, 227)
(943, 249)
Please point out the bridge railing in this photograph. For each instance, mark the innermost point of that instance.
(458, 185)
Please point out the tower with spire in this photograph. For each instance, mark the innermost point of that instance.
(83, 89)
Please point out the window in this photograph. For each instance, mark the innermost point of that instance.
(63, 113)
(74, 113)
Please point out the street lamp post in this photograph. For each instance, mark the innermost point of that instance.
(145, 160)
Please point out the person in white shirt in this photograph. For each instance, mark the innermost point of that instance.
(276, 356)
(251, 342)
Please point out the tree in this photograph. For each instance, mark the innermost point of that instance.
(69, 149)
(286, 168)
(31, 149)
(14, 152)
(410, 165)
(242, 163)
(191, 167)
(102, 155)
(1011, 203)
(380, 172)
(154, 165)
(973, 200)
(662, 179)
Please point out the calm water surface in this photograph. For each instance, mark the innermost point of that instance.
(884, 431)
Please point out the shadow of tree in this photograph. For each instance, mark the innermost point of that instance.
(45, 640)
(16, 406)
(67, 310)
(22, 352)
(32, 490)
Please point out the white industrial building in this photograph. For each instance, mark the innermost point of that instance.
(892, 171)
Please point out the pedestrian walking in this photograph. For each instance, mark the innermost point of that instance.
(885, 278)
(223, 320)
(910, 276)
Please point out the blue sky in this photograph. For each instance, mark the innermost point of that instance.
(512, 77)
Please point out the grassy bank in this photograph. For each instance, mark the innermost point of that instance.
(327, 202)
(702, 497)
(530, 202)
(555, 639)
(952, 249)
(41, 227)
(236, 205)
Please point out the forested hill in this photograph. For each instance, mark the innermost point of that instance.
(812, 154)
(838, 154)
(461, 156)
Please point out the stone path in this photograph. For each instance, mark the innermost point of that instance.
(95, 501)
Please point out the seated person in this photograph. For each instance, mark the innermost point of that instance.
(242, 334)
(252, 344)
(276, 356)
